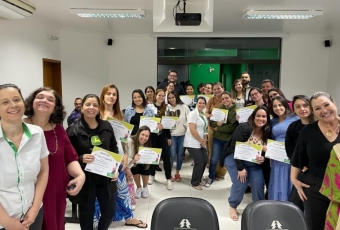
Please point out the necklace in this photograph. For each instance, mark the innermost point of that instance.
(56, 139)
(329, 132)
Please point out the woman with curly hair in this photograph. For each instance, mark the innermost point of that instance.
(45, 109)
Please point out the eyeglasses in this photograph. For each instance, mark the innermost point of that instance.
(254, 94)
(171, 75)
(273, 95)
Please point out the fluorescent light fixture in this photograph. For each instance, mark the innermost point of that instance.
(107, 13)
(281, 14)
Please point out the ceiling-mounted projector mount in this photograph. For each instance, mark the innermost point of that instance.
(185, 19)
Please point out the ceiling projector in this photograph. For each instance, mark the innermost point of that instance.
(188, 19)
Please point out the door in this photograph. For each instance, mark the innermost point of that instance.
(52, 75)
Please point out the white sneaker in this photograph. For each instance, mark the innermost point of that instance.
(133, 207)
(151, 179)
(145, 192)
(169, 185)
(209, 182)
(138, 193)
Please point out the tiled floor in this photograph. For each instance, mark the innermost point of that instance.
(217, 195)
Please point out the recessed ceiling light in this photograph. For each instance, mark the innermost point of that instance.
(281, 14)
(107, 13)
(172, 48)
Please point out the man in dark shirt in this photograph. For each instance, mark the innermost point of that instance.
(76, 112)
(245, 78)
(172, 77)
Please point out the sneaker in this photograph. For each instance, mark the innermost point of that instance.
(178, 177)
(209, 182)
(138, 193)
(172, 179)
(133, 207)
(151, 179)
(145, 192)
(169, 185)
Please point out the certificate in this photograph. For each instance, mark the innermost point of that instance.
(149, 155)
(276, 150)
(121, 129)
(219, 115)
(206, 96)
(169, 122)
(245, 113)
(105, 163)
(247, 152)
(151, 122)
(187, 99)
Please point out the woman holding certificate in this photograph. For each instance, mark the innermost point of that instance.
(110, 107)
(45, 109)
(195, 142)
(214, 102)
(24, 165)
(280, 185)
(242, 168)
(313, 150)
(133, 115)
(222, 134)
(176, 108)
(161, 140)
(86, 133)
(301, 108)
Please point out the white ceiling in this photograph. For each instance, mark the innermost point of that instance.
(227, 16)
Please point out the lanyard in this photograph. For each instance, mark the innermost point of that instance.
(201, 115)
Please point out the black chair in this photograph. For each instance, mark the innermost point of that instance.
(184, 213)
(269, 214)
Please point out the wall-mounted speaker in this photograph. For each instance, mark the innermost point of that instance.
(327, 43)
(109, 42)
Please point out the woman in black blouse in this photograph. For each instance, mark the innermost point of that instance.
(313, 149)
(302, 108)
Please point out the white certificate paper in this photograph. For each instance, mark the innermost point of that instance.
(219, 115)
(187, 99)
(149, 155)
(247, 152)
(276, 150)
(169, 122)
(151, 122)
(245, 113)
(121, 129)
(105, 163)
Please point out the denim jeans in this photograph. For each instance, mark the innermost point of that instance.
(177, 151)
(216, 153)
(254, 178)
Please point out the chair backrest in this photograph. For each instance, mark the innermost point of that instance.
(184, 213)
(270, 214)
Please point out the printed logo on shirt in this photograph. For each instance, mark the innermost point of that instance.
(95, 140)
(185, 225)
(176, 113)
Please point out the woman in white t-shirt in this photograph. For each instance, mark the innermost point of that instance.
(195, 142)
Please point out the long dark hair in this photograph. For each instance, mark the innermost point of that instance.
(178, 100)
(284, 102)
(136, 141)
(140, 92)
(266, 127)
(58, 115)
(305, 99)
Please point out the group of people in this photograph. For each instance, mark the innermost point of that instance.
(43, 163)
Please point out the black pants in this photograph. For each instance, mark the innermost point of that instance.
(295, 198)
(200, 158)
(37, 224)
(316, 204)
(107, 207)
(161, 142)
(266, 175)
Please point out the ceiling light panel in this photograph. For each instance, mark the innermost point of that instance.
(107, 13)
(283, 14)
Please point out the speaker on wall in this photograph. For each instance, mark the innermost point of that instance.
(327, 43)
(109, 42)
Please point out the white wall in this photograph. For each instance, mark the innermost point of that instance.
(132, 64)
(304, 64)
(333, 69)
(85, 67)
(23, 45)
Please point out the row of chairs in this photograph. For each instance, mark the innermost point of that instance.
(188, 213)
